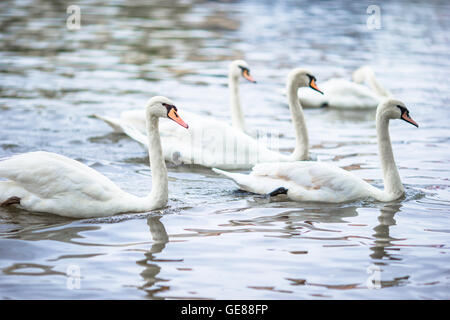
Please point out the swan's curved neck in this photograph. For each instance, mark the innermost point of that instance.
(160, 190)
(376, 86)
(298, 119)
(237, 117)
(393, 188)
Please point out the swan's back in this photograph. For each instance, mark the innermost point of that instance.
(49, 175)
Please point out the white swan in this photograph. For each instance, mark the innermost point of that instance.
(315, 181)
(212, 143)
(344, 94)
(136, 118)
(51, 183)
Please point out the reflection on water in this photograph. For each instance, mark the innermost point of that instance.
(212, 241)
(160, 238)
(383, 239)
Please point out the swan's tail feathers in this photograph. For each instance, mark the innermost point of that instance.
(240, 179)
(122, 127)
(135, 134)
(224, 173)
(112, 122)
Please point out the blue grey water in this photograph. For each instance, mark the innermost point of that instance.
(213, 242)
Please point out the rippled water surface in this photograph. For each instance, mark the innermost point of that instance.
(212, 241)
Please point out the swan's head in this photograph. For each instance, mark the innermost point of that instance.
(239, 68)
(162, 107)
(394, 109)
(302, 78)
(361, 74)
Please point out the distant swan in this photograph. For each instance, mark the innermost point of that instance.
(344, 94)
(322, 182)
(213, 143)
(136, 118)
(52, 183)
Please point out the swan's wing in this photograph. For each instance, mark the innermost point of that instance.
(207, 142)
(49, 175)
(315, 181)
(213, 143)
(308, 174)
(304, 180)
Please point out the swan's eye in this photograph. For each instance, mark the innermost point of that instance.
(244, 69)
(169, 107)
(403, 110)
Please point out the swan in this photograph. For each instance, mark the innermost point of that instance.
(51, 183)
(212, 143)
(344, 94)
(322, 182)
(136, 118)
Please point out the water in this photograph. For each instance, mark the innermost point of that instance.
(212, 241)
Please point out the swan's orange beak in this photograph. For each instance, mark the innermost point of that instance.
(174, 116)
(247, 76)
(407, 118)
(313, 85)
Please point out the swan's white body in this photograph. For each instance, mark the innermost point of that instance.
(213, 143)
(344, 94)
(321, 182)
(52, 183)
(209, 143)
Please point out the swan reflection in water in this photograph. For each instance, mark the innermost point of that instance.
(152, 269)
(383, 240)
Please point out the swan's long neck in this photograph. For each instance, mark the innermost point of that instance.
(376, 86)
(298, 119)
(159, 193)
(393, 188)
(237, 117)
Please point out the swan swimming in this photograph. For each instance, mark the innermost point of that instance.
(323, 182)
(343, 94)
(213, 143)
(52, 183)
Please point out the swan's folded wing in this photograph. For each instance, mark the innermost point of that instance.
(51, 175)
(309, 175)
(213, 143)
